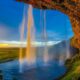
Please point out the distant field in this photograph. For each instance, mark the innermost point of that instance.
(8, 54)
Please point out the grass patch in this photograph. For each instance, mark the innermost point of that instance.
(8, 54)
(74, 69)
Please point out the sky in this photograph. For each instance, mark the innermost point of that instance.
(58, 26)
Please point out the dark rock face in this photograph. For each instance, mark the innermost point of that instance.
(1, 77)
(74, 50)
(79, 78)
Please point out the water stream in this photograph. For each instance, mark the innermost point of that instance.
(30, 50)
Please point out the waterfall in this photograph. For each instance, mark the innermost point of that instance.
(30, 49)
(22, 26)
(45, 56)
(30, 55)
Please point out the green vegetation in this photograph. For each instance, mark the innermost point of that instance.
(8, 54)
(73, 66)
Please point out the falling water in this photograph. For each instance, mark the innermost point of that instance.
(61, 55)
(67, 42)
(67, 54)
(21, 39)
(64, 56)
(46, 56)
(68, 51)
(30, 50)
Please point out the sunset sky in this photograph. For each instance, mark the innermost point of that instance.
(11, 15)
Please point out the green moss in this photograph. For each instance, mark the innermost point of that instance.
(74, 69)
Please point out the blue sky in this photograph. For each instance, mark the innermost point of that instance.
(58, 25)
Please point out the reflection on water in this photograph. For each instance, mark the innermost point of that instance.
(37, 71)
(10, 71)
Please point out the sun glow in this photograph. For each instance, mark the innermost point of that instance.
(4, 45)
